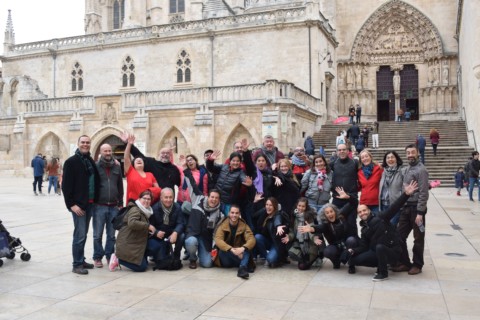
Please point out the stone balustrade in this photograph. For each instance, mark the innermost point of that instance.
(272, 91)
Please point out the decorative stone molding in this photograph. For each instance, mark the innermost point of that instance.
(19, 126)
(76, 122)
(203, 116)
(140, 120)
(396, 33)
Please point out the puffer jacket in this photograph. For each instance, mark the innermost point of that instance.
(378, 229)
(228, 182)
(132, 237)
(309, 185)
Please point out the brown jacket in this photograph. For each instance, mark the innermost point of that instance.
(223, 238)
(132, 238)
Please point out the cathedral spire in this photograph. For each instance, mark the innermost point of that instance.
(9, 34)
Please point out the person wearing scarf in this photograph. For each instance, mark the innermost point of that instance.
(80, 192)
(268, 149)
(204, 217)
(369, 175)
(132, 238)
(391, 183)
(169, 221)
(317, 183)
(300, 163)
(303, 247)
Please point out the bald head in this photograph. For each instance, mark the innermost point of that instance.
(342, 151)
(106, 151)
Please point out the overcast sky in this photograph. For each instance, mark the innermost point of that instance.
(36, 20)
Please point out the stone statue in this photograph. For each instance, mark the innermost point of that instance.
(358, 77)
(436, 74)
(445, 73)
(365, 77)
(110, 115)
(396, 82)
(350, 77)
(430, 74)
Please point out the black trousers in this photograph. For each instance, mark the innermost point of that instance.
(379, 258)
(405, 225)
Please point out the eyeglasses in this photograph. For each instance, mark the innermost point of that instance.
(341, 149)
(147, 198)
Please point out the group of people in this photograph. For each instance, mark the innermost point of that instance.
(50, 171)
(256, 207)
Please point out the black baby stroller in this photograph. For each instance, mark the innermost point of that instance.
(9, 246)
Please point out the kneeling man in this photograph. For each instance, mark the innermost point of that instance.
(235, 241)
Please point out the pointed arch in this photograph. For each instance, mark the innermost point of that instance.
(175, 137)
(108, 134)
(238, 133)
(396, 32)
(51, 145)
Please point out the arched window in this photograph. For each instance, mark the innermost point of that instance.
(184, 65)
(177, 6)
(77, 77)
(128, 72)
(118, 13)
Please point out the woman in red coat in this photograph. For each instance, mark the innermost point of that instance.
(369, 176)
(434, 139)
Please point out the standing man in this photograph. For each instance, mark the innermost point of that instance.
(268, 149)
(353, 133)
(235, 241)
(110, 199)
(38, 166)
(345, 176)
(473, 168)
(80, 191)
(358, 113)
(412, 216)
(375, 135)
(421, 143)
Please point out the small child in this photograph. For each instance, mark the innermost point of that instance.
(459, 180)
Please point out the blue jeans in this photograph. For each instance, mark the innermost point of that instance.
(422, 155)
(229, 260)
(80, 232)
(471, 185)
(102, 217)
(135, 267)
(52, 180)
(194, 244)
(264, 244)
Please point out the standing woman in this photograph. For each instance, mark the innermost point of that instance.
(131, 246)
(137, 179)
(434, 139)
(369, 175)
(286, 187)
(391, 183)
(52, 169)
(316, 183)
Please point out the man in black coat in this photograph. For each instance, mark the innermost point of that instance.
(80, 191)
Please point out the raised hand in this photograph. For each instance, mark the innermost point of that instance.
(411, 188)
(278, 182)
(341, 193)
(280, 230)
(131, 139)
(124, 136)
(214, 156)
(245, 144)
(258, 197)
(248, 181)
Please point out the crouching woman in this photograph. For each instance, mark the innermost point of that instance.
(133, 236)
(379, 242)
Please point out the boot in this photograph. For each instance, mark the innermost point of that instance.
(458, 193)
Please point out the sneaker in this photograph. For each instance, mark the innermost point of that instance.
(242, 273)
(458, 193)
(380, 277)
(351, 270)
(113, 265)
(87, 265)
(98, 263)
(80, 270)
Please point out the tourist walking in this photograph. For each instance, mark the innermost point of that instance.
(38, 168)
(434, 140)
(473, 172)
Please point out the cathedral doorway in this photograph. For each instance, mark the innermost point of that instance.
(385, 96)
(409, 90)
(118, 148)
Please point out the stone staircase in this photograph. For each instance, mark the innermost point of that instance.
(453, 150)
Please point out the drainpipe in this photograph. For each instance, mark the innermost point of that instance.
(309, 24)
(211, 34)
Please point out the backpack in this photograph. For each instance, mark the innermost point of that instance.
(117, 221)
